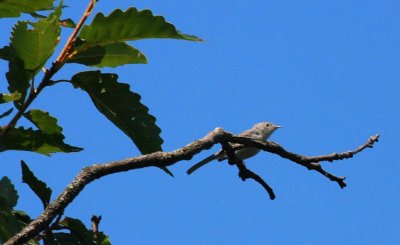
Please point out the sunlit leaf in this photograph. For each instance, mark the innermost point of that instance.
(35, 42)
(43, 142)
(130, 25)
(122, 107)
(44, 121)
(37, 186)
(14, 8)
(5, 98)
(114, 54)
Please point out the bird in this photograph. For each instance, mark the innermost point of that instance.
(260, 131)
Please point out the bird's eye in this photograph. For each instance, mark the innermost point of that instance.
(268, 124)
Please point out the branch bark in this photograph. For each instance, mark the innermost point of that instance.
(164, 159)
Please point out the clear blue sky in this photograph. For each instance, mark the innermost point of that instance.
(327, 71)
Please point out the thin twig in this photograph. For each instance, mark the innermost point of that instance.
(244, 172)
(95, 225)
(50, 228)
(69, 45)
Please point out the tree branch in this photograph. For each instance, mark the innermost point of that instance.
(244, 172)
(164, 159)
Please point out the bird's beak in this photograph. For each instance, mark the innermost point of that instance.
(277, 126)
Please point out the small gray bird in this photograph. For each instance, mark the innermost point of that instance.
(260, 131)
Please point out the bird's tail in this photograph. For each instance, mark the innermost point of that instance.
(201, 163)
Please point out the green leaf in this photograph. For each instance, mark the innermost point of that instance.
(8, 192)
(22, 216)
(34, 140)
(122, 107)
(43, 121)
(130, 25)
(62, 238)
(7, 53)
(78, 229)
(38, 187)
(9, 224)
(79, 234)
(18, 78)
(6, 113)
(68, 23)
(5, 98)
(114, 54)
(14, 8)
(35, 45)
(11, 221)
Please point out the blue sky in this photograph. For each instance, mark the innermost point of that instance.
(326, 71)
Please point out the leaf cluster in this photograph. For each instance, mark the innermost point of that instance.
(105, 42)
(65, 231)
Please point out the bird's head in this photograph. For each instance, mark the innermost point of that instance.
(266, 128)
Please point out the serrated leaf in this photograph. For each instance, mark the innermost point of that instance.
(18, 78)
(43, 121)
(37, 186)
(122, 107)
(6, 113)
(14, 8)
(114, 54)
(5, 98)
(8, 192)
(130, 25)
(34, 45)
(34, 140)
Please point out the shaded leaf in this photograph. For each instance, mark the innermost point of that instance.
(14, 8)
(68, 23)
(8, 192)
(22, 216)
(78, 229)
(130, 25)
(18, 78)
(114, 54)
(5, 98)
(61, 238)
(9, 224)
(122, 107)
(34, 45)
(6, 113)
(7, 53)
(34, 140)
(12, 222)
(37, 186)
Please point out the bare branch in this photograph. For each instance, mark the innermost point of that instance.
(244, 172)
(95, 225)
(164, 159)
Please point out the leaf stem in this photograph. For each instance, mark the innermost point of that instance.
(60, 61)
